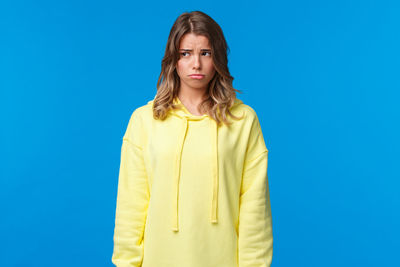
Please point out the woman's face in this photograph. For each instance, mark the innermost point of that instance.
(195, 58)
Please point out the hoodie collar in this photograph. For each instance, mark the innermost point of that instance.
(186, 116)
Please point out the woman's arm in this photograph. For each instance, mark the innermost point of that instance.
(255, 221)
(132, 200)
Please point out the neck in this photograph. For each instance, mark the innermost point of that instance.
(192, 96)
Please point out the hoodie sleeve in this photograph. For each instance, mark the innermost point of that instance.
(132, 198)
(255, 221)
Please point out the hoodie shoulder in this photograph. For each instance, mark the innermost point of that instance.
(240, 107)
(144, 110)
(135, 131)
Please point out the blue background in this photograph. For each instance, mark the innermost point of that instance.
(323, 77)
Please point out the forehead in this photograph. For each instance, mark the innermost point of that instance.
(191, 40)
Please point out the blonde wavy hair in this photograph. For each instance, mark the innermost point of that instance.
(221, 94)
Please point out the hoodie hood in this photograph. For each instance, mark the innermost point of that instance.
(184, 115)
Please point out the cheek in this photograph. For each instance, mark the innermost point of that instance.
(212, 72)
(179, 67)
(212, 69)
(211, 66)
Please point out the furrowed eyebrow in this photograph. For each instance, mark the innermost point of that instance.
(190, 50)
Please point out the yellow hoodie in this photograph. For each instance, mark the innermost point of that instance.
(191, 194)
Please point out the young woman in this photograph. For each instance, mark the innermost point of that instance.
(193, 187)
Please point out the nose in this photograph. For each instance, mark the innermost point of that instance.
(196, 63)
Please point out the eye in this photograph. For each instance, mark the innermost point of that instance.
(207, 52)
(183, 53)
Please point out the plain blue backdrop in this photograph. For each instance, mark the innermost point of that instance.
(323, 77)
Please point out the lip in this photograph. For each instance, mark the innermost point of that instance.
(197, 76)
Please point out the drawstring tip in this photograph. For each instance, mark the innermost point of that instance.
(175, 227)
(214, 217)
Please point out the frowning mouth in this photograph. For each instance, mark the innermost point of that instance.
(197, 76)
